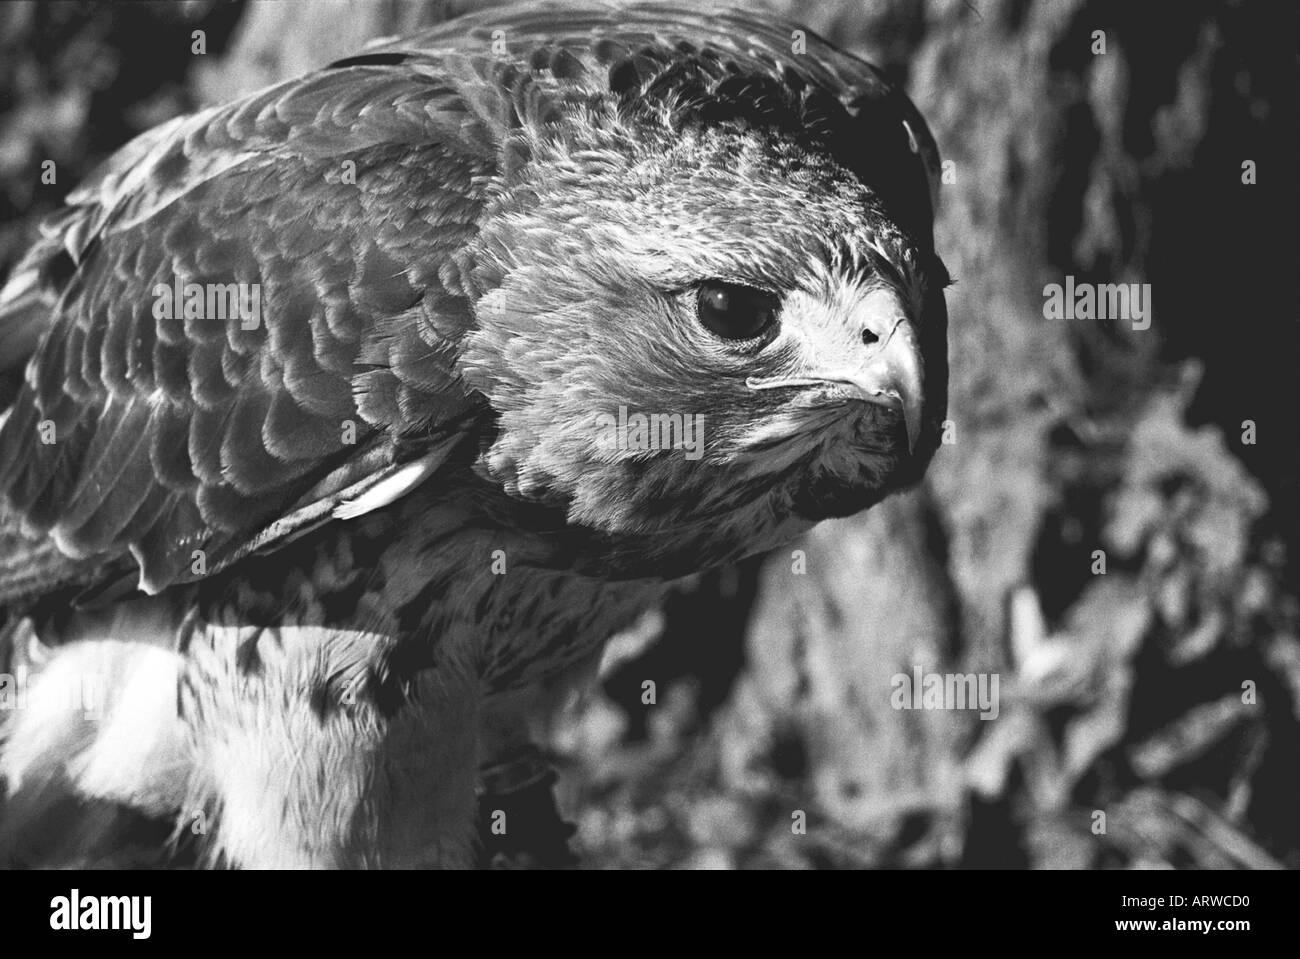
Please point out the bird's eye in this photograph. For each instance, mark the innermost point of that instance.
(735, 312)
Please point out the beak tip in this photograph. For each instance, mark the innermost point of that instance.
(912, 424)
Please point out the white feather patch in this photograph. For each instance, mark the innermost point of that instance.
(104, 711)
(391, 488)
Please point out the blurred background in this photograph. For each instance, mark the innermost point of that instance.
(1110, 529)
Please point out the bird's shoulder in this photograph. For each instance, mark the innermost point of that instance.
(243, 322)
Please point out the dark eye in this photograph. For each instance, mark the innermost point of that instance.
(735, 312)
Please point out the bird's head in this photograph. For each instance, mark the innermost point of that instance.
(714, 327)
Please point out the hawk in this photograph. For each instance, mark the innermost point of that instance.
(323, 459)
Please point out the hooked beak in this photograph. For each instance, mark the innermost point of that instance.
(889, 376)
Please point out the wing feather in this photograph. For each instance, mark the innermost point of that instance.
(146, 433)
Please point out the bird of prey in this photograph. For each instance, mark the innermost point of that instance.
(323, 460)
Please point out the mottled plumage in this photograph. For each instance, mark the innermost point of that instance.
(369, 526)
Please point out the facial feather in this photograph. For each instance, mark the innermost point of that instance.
(588, 268)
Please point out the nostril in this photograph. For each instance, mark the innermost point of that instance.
(868, 338)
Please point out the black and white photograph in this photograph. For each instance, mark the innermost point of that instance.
(801, 435)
